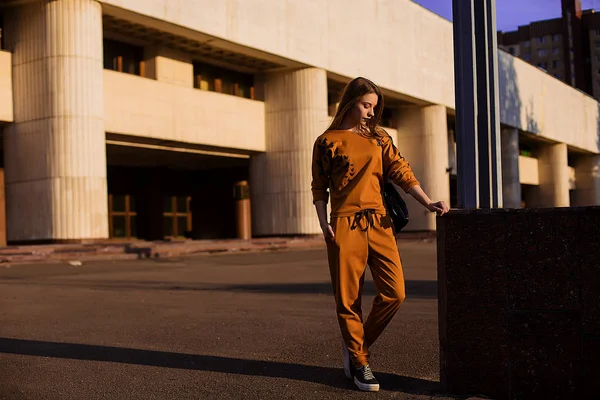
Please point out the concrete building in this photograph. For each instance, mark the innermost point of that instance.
(591, 23)
(127, 118)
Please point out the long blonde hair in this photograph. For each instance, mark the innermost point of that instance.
(351, 95)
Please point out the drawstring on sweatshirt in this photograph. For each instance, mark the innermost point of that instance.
(368, 214)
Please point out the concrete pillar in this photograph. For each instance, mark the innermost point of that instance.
(55, 155)
(587, 178)
(423, 141)
(553, 190)
(296, 113)
(511, 183)
(168, 65)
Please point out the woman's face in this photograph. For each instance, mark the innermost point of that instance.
(364, 109)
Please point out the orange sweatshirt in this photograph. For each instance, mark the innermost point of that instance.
(351, 167)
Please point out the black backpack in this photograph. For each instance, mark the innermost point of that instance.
(395, 205)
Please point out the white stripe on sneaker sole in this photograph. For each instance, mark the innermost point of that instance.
(367, 387)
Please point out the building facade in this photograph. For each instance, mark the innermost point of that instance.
(131, 119)
(567, 48)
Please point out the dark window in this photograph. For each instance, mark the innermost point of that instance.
(177, 217)
(215, 79)
(123, 57)
(122, 216)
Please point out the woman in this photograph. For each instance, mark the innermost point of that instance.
(350, 162)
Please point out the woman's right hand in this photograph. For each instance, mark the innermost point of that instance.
(327, 232)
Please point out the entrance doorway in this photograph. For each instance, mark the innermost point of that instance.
(160, 194)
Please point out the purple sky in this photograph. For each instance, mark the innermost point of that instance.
(512, 13)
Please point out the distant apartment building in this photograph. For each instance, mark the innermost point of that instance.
(591, 22)
(567, 48)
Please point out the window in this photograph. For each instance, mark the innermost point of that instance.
(543, 65)
(555, 63)
(121, 216)
(598, 57)
(177, 217)
(555, 50)
(527, 57)
(540, 39)
(542, 52)
(123, 57)
(598, 44)
(555, 37)
(511, 50)
(557, 76)
(526, 43)
(220, 80)
(597, 32)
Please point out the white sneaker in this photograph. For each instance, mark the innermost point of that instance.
(365, 380)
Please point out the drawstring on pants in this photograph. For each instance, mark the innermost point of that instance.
(368, 214)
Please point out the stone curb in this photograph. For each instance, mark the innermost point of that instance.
(115, 250)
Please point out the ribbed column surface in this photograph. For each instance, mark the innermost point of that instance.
(423, 141)
(554, 176)
(55, 154)
(587, 181)
(296, 113)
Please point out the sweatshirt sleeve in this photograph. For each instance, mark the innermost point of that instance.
(320, 180)
(396, 167)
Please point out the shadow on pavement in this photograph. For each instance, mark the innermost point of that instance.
(416, 289)
(323, 375)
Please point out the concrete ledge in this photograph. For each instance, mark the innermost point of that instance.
(126, 250)
(518, 302)
(123, 250)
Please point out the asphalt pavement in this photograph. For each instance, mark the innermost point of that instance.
(226, 326)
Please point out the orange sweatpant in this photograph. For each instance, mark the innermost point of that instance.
(361, 240)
